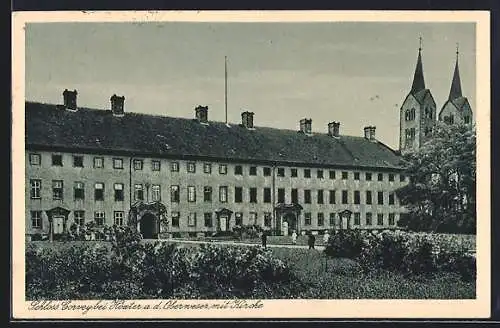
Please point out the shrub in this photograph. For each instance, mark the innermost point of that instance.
(345, 243)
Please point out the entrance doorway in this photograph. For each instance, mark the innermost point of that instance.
(58, 224)
(291, 223)
(148, 226)
(223, 222)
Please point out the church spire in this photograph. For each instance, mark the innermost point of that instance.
(418, 77)
(456, 86)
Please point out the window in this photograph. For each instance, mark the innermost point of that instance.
(35, 159)
(118, 218)
(175, 219)
(35, 188)
(207, 194)
(319, 174)
(253, 217)
(356, 175)
(207, 168)
(380, 219)
(238, 170)
(138, 192)
(331, 197)
(295, 196)
(368, 197)
(191, 167)
(98, 162)
(57, 160)
(380, 177)
(321, 219)
(368, 219)
(368, 177)
(307, 218)
(357, 218)
(253, 195)
(79, 218)
(307, 173)
(238, 218)
(223, 194)
(253, 170)
(99, 218)
(331, 174)
(266, 171)
(356, 197)
(155, 165)
(36, 219)
(174, 194)
(77, 161)
(267, 219)
(281, 172)
(332, 219)
(191, 194)
(238, 194)
(156, 193)
(320, 197)
(380, 198)
(392, 220)
(344, 196)
(391, 177)
(391, 199)
(293, 173)
(267, 195)
(466, 119)
(307, 196)
(118, 192)
(222, 169)
(57, 189)
(192, 219)
(79, 190)
(174, 166)
(401, 178)
(117, 163)
(344, 175)
(281, 195)
(208, 220)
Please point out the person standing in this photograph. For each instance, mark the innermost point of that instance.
(264, 238)
(294, 238)
(311, 240)
(326, 236)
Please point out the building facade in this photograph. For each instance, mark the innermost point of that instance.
(177, 176)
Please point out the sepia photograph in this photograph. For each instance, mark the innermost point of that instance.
(250, 162)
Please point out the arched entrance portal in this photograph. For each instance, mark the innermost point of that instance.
(289, 223)
(149, 226)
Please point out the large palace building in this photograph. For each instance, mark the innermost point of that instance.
(175, 176)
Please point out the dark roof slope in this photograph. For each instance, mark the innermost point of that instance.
(98, 130)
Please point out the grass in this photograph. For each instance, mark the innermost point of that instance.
(342, 278)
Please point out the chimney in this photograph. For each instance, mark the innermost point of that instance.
(70, 99)
(247, 119)
(372, 133)
(202, 114)
(305, 125)
(334, 129)
(367, 130)
(117, 104)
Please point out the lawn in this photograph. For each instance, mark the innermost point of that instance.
(342, 279)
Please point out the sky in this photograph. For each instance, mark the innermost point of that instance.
(356, 73)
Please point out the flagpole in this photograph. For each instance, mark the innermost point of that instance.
(225, 86)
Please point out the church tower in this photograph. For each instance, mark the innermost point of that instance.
(417, 114)
(456, 110)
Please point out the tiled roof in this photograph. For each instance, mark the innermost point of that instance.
(98, 130)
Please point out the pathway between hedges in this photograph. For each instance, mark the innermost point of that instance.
(317, 247)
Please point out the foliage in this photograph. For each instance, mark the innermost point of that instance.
(248, 231)
(403, 252)
(441, 195)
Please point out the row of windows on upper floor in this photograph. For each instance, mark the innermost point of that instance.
(119, 219)
(410, 114)
(138, 164)
(175, 190)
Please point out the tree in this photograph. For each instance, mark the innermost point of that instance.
(441, 194)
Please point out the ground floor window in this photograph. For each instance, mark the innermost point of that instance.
(36, 219)
(392, 220)
(357, 218)
(321, 219)
(208, 220)
(175, 219)
(80, 218)
(267, 219)
(118, 220)
(238, 218)
(332, 219)
(307, 218)
(99, 218)
(192, 220)
(253, 217)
